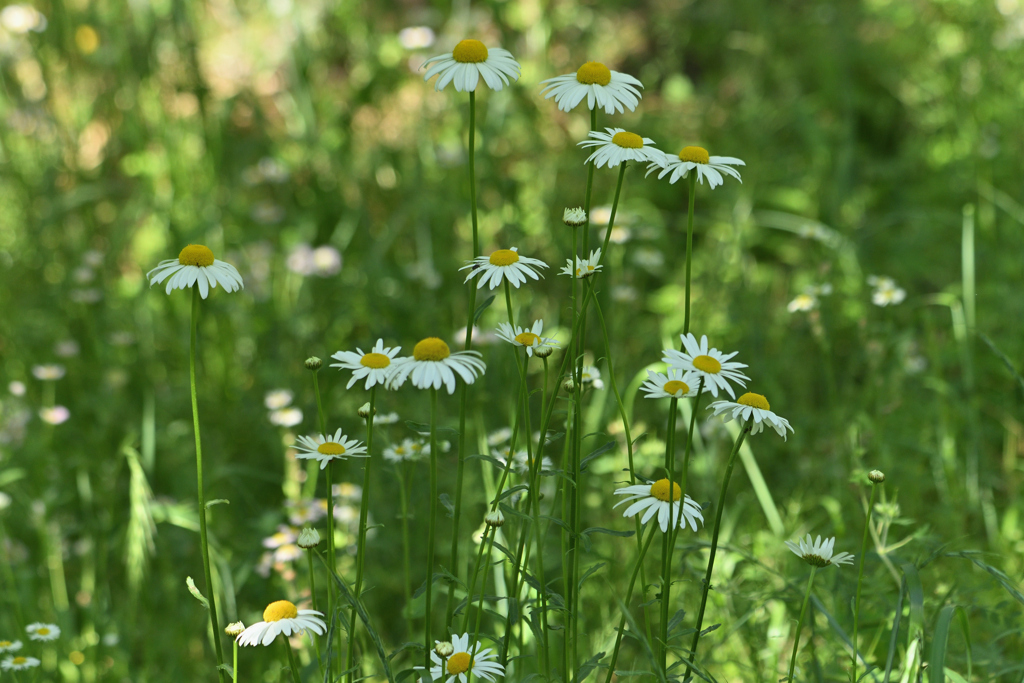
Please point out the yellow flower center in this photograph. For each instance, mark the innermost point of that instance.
(527, 338)
(676, 386)
(459, 663)
(628, 140)
(698, 155)
(5, 643)
(594, 73)
(504, 257)
(196, 255)
(18, 661)
(754, 401)
(470, 52)
(282, 609)
(431, 348)
(330, 448)
(660, 488)
(707, 364)
(375, 361)
(43, 631)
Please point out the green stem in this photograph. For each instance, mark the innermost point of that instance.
(590, 187)
(234, 654)
(472, 171)
(629, 594)
(689, 248)
(860, 577)
(291, 660)
(331, 553)
(364, 510)
(431, 525)
(800, 623)
(199, 487)
(615, 207)
(407, 575)
(312, 578)
(473, 579)
(666, 549)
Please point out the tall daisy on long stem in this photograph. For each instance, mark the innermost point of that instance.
(196, 265)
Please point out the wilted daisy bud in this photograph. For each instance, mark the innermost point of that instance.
(234, 630)
(568, 385)
(543, 351)
(365, 410)
(443, 648)
(494, 519)
(574, 218)
(876, 476)
(313, 363)
(309, 538)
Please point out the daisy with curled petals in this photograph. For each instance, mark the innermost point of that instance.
(502, 264)
(468, 62)
(18, 663)
(433, 364)
(584, 267)
(654, 498)
(673, 384)
(529, 339)
(754, 407)
(617, 145)
(196, 264)
(374, 365)
(39, 631)
(818, 553)
(601, 86)
(282, 617)
(711, 365)
(462, 659)
(326, 448)
(695, 159)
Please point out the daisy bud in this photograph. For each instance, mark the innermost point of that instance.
(574, 218)
(876, 476)
(365, 410)
(443, 648)
(309, 538)
(494, 519)
(568, 385)
(313, 363)
(543, 351)
(234, 630)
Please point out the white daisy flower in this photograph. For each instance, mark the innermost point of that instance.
(408, 450)
(673, 384)
(38, 631)
(10, 646)
(886, 292)
(374, 365)
(522, 463)
(326, 448)
(18, 663)
(468, 62)
(530, 339)
(803, 303)
(654, 498)
(433, 364)
(584, 267)
(275, 399)
(818, 553)
(195, 264)
(618, 145)
(591, 375)
(54, 415)
(695, 159)
(503, 263)
(48, 373)
(282, 617)
(754, 406)
(601, 86)
(711, 364)
(286, 417)
(457, 664)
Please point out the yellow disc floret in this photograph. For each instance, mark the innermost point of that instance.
(527, 338)
(375, 361)
(18, 661)
(628, 140)
(594, 73)
(282, 609)
(459, 663)
(4, 644)
(503, 257)
(754, 401)
(675, 386)
(330, 448)
(470, 51)
(707, 364)
(698, 155)
(42, 631)
(431, 348)
(196, 255)
(660, 488)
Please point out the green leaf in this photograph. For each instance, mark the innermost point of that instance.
(596, 454)
(937, 660)
(482, 307)
(446, 501)
(587, 574)
(195, 592)
(424, 428)
(217, 501)
(610, 532)
(515, 489)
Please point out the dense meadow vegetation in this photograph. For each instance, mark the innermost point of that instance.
(866, 269)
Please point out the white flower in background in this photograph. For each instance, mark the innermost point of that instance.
(809, 299)
(528, 339)
(324, 261)
(54, 415)
(17, 388)
(616, 146)
(710, 364)
(275, 399)
(304, 511)
(374, 365)
(282, 617)
(653, 499)
(18, 663)
(499, 436)
(22, 19)
(522, 463)
(602, 87)
(462, 659)
(886, 292)
(432, 365)
(196, 264)
(10, 646)
(387, 418)
(695, 159)
(416, 37)
(67, 348)
(591, 375)
(39, 631)
(502, 264)
(286, 417)
(470, 61)
(584, 267)
(48, 373)
(325, 448)
(409, 450)
(673, 384)
(755, 406)
(818, 554)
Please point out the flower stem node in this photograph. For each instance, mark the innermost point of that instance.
(365, 410)
(309, 538)
(574, 218)
(235, 629)
(876, 476)
(443, 648)
(313, 363)
(494, 519)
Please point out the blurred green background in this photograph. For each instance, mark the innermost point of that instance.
(299, 141)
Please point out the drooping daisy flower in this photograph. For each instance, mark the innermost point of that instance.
(468, 62)
(654, 498)
(673, 384)
(711, 364)
(584, 267)
(601, 86)
(19, 663)
(373, 365)
(462, 659)
(754, 406)
(503, 264)
(886, 292)
(48, 373)
(195, 264)
(618, 145)
(819, 554)
(282, 617)
(433, 364)
(326, 448)
(530, 339)
(10, 646)
(695, 159)
(39, 631)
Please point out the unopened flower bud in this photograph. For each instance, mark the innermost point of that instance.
(234, 630)
(568, 385)
(574, 218)
(494, 519)
(543, 351)
(443, 648)
(308, 538)
(365, 410)
(876, 476)
(313, 363)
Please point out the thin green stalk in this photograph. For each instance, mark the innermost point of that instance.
(364, 509)
(473, 579)
(291, 661)
(312, 578)
(629, 594)
(615, 207)
(714, 543)
(407, 575)
(590, 187)
(472, 171)
(331, 553)
(689, 249)
(666, 549)
(234, 647)
(800, 623)
(432, 523)
(860, 577)
(214, 622)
